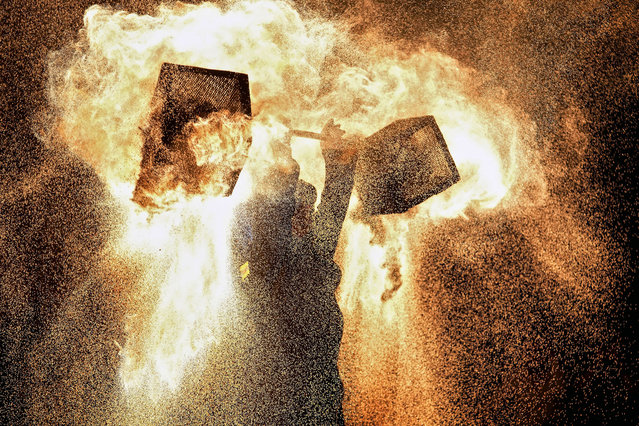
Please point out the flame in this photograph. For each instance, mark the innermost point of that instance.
(210, 151)
(186, 281)
(303, 71)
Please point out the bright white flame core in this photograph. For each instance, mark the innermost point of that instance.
(187, 282)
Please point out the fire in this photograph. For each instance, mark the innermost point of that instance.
(210, 150)
(185, 282)
(302, 71)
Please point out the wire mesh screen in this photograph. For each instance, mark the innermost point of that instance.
(402, 165)
(186, 93)
(173, 156)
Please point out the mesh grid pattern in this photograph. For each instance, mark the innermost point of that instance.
(182, 94)
(402, 165)
(186, 93)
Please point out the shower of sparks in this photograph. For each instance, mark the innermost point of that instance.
(476, 271)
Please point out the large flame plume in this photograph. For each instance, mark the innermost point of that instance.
(303, 71)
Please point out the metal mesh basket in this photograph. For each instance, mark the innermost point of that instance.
(402, 165)
(182, 95)
(186, 92)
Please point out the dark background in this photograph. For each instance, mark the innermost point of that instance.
(550, 57)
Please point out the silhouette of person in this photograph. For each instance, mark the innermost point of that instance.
(283, 251)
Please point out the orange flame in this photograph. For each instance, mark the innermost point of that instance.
(302, 72)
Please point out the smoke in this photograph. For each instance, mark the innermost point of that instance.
(509, 283)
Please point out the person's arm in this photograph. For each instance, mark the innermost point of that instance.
(340, 158)
(283, 176)
(264, 221)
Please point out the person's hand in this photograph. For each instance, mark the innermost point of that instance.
(332, 138)
(282, 155)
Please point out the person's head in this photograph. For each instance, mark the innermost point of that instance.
(305, 196)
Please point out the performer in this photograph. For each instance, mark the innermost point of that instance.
(287, 281)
